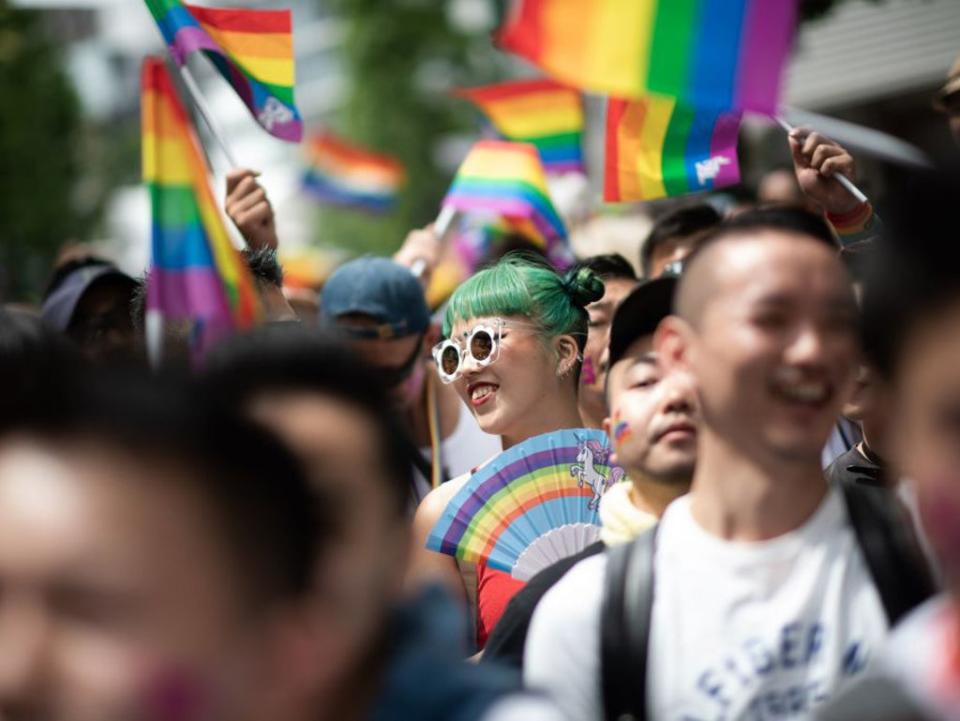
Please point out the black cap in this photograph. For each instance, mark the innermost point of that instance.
(640, 313)
(58, 308)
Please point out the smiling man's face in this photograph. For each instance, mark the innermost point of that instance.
(652, 425)
(773, 346)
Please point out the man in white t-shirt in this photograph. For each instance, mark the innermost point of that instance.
(763, 605)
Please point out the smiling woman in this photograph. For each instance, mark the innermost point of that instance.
(513, 345)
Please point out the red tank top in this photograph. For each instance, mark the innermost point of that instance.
(494, 591)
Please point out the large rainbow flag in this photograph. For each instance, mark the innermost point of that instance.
(543, 112)
(707, 53)
(657, 147)
(252, 49)
(506, 180)
(196, 275)
(344, 174)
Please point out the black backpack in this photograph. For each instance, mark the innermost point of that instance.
(893, 556)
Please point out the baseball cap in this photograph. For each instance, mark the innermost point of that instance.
(380, 289)
(58, 308)
(640, 313)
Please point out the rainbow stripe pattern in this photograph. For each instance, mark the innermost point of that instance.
(542, 112)
(252, 50)
(507, 180)
(196, 275)
(544, 484)
(657, 147)
(707, 53)
(346, 175)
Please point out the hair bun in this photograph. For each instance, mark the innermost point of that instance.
(583, 286)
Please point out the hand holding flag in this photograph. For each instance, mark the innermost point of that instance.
(196, 275)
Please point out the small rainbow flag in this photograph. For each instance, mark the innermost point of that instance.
(343, 174)
(507, 180)
(543, 112)
(707, 53)
(196, 275)
(252, 49)
(657, 147)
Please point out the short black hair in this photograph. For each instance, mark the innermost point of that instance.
(678, 223)
(254, 489)
(781, 218)
(784, 218)
(284, 357)
(611, 266)
(65, 270)
(913, 273)
(264, 265)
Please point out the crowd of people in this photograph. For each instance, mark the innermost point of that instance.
(247, 539)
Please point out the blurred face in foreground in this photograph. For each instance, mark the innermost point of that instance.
(770, 338)
(652, 424)
(362, 572)
(117, 599)
(927, 430)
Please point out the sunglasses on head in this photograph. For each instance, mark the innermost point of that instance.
(482, 344)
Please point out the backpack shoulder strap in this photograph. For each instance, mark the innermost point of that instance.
(890, 548)
(625, 628)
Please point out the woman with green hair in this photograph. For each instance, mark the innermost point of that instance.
(514, 338)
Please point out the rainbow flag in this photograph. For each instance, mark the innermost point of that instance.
(196, 275)
(656, 147)
(344, 174)
(507, 180)
(252, 49)
(706, 53)
(542, 112)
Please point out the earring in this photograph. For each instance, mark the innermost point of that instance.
(564, 372)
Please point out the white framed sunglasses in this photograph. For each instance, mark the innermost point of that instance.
(482, 344)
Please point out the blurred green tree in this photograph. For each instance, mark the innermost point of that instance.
(40, 129)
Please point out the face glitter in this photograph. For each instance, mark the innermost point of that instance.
(588, 375)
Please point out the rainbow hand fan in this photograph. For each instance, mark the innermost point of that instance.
(532, 505)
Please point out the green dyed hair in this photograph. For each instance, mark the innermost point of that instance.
(523, 285)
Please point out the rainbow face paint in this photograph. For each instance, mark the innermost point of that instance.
(621, 429)
(588, 375)
(175, 694)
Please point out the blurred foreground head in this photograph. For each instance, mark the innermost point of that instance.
(155, 557)
(332, 410)
(911, 332)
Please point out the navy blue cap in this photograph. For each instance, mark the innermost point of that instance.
(58, 308)
(379, 289)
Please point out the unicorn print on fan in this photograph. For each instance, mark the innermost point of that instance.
(586, 470)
